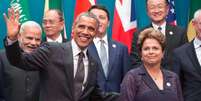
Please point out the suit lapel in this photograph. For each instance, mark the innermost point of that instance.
(93, 51)
(91, 79)
(191, 53)
(69, 67)
(112, 54)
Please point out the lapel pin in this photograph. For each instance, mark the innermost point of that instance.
(114, 46)
(171, 33)
(168, 84)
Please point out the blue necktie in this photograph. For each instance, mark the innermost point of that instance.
(103, 57)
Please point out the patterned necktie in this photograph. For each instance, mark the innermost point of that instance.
(103, 57)
(79, 77)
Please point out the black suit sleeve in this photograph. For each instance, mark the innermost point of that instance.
(38, 59)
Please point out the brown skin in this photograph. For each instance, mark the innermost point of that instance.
(12, 23)
(84, 31)
(30, 39)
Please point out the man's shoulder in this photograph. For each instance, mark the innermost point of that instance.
(54, 44)
(182, 49)
(117, 44)
(176, 28)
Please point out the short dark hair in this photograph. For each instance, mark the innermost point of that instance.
(86, 14)
(166, 1)
(152, 34)
(101, 7)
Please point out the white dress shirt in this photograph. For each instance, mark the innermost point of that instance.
(197, 46)
(76, 51)
(162, 27)
(97, 42)
(59, 39)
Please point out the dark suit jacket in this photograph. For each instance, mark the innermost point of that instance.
(119, 64)
(19, 85)
(57, 72)
(186, 65)
(173, 41)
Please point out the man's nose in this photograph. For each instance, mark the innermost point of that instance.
(34, 42)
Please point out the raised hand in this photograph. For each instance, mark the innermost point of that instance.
(12, 23)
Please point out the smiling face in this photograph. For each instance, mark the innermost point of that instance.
(103, 19)
(30, 38)
(84, 30)
(157, 10)
(151, 52)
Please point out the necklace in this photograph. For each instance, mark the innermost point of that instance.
(155, 77)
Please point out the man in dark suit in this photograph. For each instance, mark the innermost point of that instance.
(187, 63)
(53, 25)
(157, 11)
(117, 60)
(70, 75)
(21, 85)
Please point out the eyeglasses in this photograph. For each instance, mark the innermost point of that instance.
(51, 22)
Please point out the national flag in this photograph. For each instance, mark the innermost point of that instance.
(83, 6)
(171, 17)
(125, 23)
(22, 7)
(194, 5)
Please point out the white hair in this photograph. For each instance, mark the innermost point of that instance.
(197, 14)
(29, 24)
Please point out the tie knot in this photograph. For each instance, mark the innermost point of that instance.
(102, 41)
(159, 28)
(81, 54)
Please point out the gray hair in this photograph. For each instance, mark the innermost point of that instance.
(197, 14)
(29, 24)
(87, 14)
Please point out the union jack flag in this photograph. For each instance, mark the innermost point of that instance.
(125, 22)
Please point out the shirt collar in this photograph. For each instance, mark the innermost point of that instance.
(97, 39)
(76, 49)
(59, 39)
(155, 26)
(197, 43)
